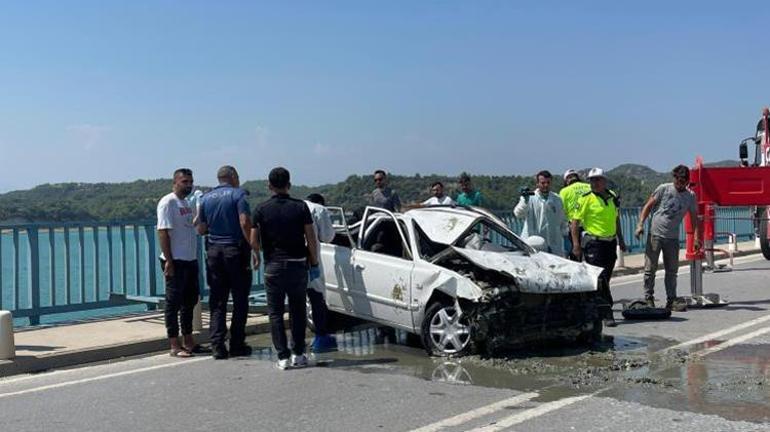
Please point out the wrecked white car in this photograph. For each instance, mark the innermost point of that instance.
(459, 278)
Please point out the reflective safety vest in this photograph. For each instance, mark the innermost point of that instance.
(598, 215)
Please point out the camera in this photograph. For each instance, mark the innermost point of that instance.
(526, 192)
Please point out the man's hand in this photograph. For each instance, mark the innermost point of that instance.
(577, 252)
(255, 261)
(168, 268)
(639, 231)
(622, 245)
(314, 273)
(697, 244)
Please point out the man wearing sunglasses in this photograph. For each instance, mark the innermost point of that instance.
(668, 205)
(382, 196)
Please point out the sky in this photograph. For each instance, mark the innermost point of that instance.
(117, 91)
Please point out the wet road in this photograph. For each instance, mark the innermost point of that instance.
(704, 370)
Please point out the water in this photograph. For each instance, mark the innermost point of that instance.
(90, 277)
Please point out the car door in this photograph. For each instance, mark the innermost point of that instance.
(336, 259)
(382, 269)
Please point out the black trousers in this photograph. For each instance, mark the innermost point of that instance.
(319, 311)
(182, 292)
(228, 271)
(602, 254)
(286, 279)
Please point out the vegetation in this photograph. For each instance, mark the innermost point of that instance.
(137, 200)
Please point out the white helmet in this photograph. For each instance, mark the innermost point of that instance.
(596, 173)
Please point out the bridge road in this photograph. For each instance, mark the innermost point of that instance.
(714, 379)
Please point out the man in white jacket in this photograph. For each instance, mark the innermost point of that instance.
(543, 214)
(324, 230)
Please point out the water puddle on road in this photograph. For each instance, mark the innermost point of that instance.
(734, 383)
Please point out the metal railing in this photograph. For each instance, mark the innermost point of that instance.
(54, 268)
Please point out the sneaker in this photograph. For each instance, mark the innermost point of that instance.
(220, 353)
(324, 343)
(650, 302)
(240, 351)
(299, 360)
(610, 322)
(283, 364)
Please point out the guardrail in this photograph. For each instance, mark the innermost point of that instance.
(54, 268)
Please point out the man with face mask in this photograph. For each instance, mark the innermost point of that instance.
(543, 214)
(179, 261)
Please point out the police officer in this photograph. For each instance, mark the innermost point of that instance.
(573, 189)
(224, 216)
(283, 228)
(598, 213)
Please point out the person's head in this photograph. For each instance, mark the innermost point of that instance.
(598, 180)
(681, 176)
(437, 189)
(543, 179)
(317, 199)
(465, 182)
(228, 175)
(183, 182)
(279, 179)
(380, 179)
(571, 176)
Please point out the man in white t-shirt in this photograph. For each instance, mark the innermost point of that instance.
(438, 198)
(179, 261)
(322, 224)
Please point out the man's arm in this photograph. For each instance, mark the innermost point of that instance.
(696, 227)
(245, 222)
(575, 230)
(651, 201)
(619, 234)
(520, 211)
(165, 246)
(201, 222)
(254, 242)
(312, 244)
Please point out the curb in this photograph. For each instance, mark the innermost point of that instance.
(31, 364)
(624, 271)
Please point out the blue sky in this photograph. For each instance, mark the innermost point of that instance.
(115, 91)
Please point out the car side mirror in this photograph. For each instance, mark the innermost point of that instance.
(537, 243)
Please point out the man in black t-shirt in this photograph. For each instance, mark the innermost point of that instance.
(283, 230)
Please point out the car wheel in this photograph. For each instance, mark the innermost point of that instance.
(764, 243)
(592, 336)
(445, 331)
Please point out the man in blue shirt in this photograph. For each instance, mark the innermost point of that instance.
(224, 216)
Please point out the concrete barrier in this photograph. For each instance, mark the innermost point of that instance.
(7, 346)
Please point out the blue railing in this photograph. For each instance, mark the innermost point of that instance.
(736, 220)
(67, 268)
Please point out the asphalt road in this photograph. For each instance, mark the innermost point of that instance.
(704, 370)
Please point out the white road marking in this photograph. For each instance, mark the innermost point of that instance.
(101, 377)
(719, 334)
(732, 342)
(80, 368)
(531, 413)
(478, 412)
(684, 270)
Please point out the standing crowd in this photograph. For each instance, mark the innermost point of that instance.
(581, 222)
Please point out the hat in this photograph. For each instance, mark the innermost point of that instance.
(596, 173)
(570, 172)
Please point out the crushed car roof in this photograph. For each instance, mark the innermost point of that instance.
(444, 224)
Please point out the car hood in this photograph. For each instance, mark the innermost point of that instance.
(539, 272)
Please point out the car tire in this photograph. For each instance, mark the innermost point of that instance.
(443, 333)
(592, 336)
(335, 320)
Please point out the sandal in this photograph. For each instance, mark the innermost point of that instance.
(180, 353)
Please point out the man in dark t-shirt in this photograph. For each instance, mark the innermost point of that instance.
(283, 231)
(224, 218)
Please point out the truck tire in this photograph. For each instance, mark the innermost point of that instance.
(764, 243)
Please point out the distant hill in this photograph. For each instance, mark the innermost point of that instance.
(137, 199)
